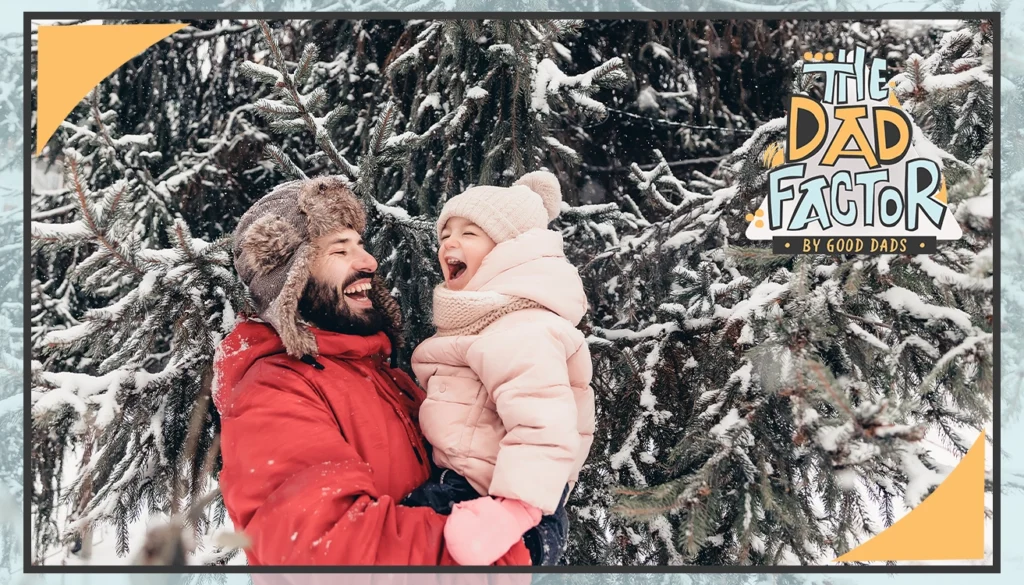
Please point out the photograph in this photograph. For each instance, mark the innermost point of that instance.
(631, 291)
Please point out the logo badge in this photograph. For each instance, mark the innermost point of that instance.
(852, 176)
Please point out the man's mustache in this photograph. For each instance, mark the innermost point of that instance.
(357, 276)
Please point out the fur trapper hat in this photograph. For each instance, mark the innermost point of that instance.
(273, 250)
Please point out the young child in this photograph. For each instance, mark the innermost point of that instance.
(509, 406)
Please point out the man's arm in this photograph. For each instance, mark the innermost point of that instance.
(304, 496)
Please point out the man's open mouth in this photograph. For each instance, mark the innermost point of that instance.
(358, 291)
(456, 268)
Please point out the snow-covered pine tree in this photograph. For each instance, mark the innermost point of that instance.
(484, 112)
(125, 243)
(125, 378)
(694, 83)
(602, 235)
(11, 310)
(412, 112)
(465, 107)
(771, 407)
(146, 357)
(187, 152)
(194, 149)
(697, 89)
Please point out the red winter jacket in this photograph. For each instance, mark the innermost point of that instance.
(316, 460)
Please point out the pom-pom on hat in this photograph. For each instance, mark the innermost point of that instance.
(506, 212)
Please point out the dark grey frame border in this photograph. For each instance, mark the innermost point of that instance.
(994, 568)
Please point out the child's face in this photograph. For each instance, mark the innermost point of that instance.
(463, 247)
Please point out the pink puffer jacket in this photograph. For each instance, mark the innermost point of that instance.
(511, 408)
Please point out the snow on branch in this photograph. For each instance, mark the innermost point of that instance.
(287, 85)
(661, 175)
(948, 276)
(400, 216)
(550, 81)
(411, 57)
(452, 123)
(758, 138)
(958, 81)
(906, 301)
(262, 73)
(656, 330)
(968, 346)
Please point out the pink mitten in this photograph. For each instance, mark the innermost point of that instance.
(479, 531)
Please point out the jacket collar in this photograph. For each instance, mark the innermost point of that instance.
(253, 340)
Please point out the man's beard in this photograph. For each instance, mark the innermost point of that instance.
(324, 306)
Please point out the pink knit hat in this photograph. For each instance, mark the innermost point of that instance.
(506, 212)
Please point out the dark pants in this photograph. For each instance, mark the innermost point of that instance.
(546, 541)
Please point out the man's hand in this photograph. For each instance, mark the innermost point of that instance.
(480, 531)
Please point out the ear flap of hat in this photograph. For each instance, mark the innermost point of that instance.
(283, 313)
(547, 186)
(268, 243)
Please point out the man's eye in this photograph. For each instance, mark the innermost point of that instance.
(342, 253)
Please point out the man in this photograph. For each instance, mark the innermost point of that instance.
(319, 435)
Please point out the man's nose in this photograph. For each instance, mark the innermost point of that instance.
(365, 262)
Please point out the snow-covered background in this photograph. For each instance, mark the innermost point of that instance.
(921, 478)
(1013, 432)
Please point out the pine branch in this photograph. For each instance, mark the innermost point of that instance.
(287, 82)
(283, 162)
(79, 189)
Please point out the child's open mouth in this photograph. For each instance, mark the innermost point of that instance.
(456, 268)
(357, 293)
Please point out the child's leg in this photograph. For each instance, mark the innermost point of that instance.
(547, 541)
(444, 489)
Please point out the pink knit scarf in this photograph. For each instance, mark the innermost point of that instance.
(465, 312)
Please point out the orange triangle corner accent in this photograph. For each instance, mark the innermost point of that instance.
(74, 59)
(943, 195)
(948, 525)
